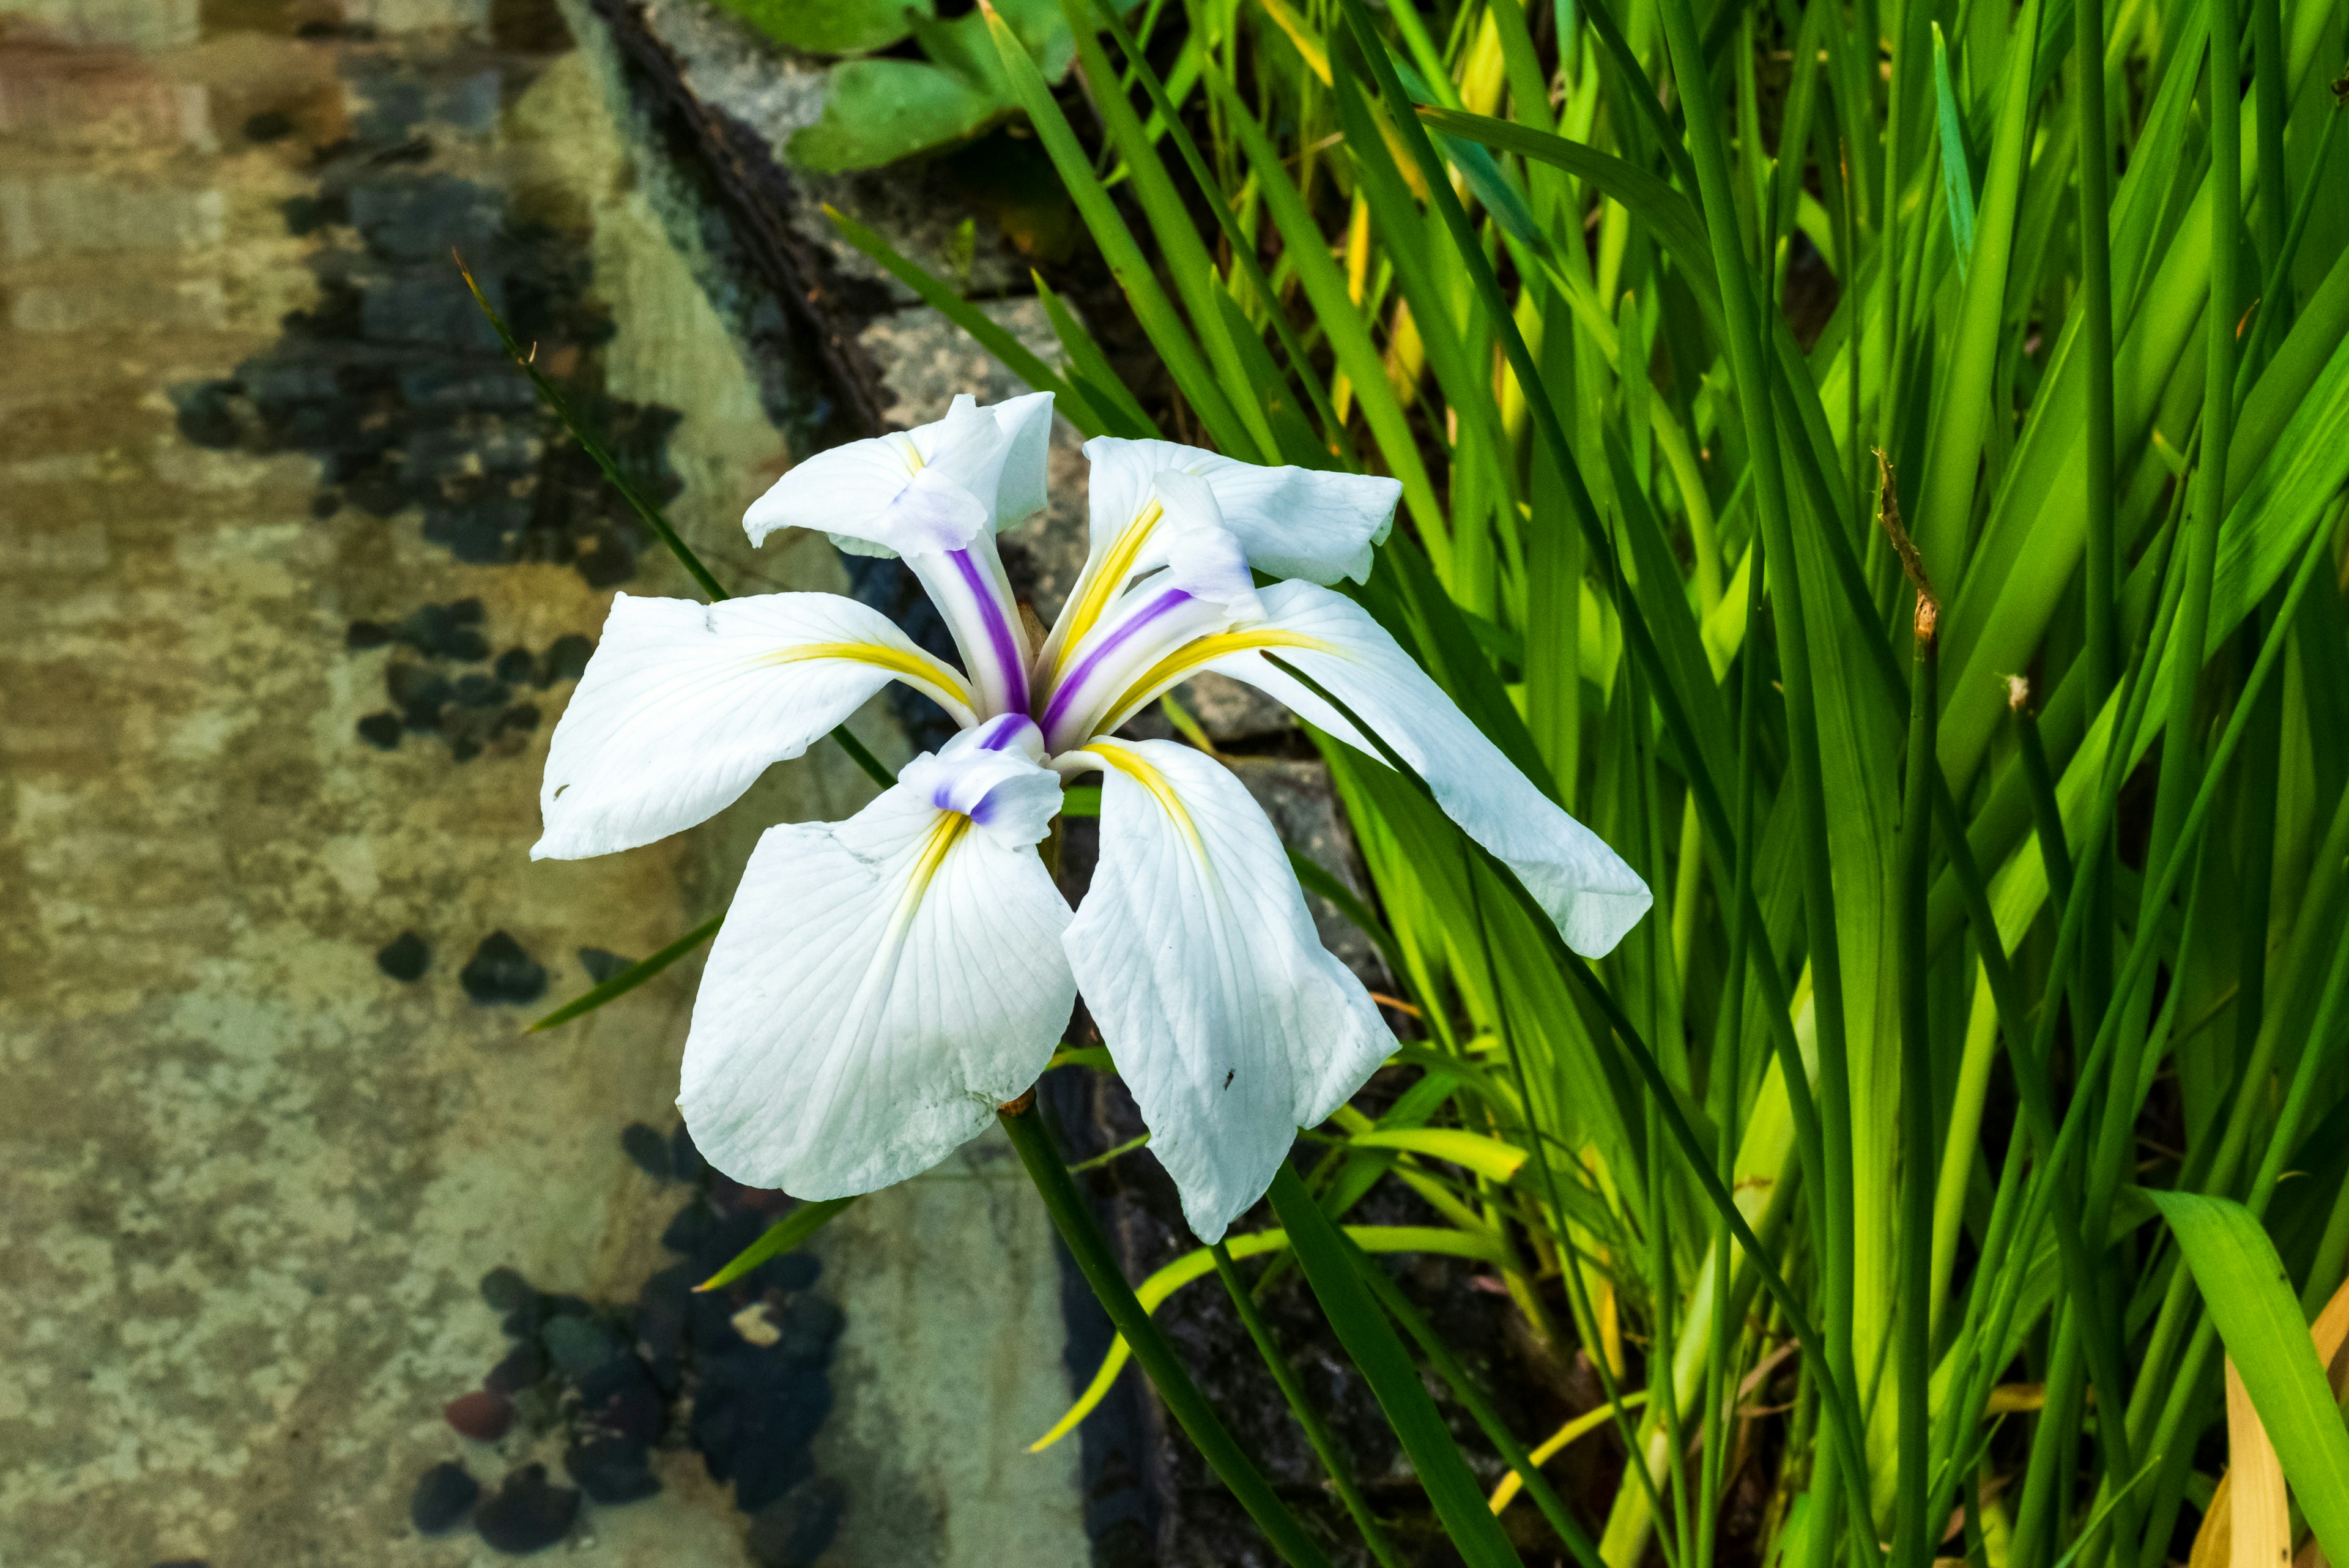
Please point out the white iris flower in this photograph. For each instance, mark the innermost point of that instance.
(882, 985)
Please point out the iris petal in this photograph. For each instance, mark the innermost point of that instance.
(1229, 1022)
(684, 705)
(879, 987)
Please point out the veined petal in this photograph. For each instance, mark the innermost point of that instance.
(685, 704)
(1294, 521)
(879, 987)
(1228, 1021)
(1027, 424)
(1588, 891)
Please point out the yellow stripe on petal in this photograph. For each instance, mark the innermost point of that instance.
(1183, 662)
(1102, 583)
(918, 668)
(952, 826)
(1131, 763)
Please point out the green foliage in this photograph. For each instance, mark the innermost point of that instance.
(1927, 991)
(878, 111)
(830, 26)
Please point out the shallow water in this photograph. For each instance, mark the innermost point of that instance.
(294, 582)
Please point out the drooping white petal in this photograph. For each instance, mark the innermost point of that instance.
(1294, 521)
(1227, 1019)
(879, 987)
(684, 705)
(1588, 891)
(1204, 558)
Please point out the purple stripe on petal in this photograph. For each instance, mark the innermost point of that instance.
(1072, 686)
(999, 636)
(998, 732)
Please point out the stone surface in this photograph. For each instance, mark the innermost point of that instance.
(255, 1179)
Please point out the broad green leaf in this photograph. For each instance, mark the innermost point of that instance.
(789, 1232)
(877, 112)
(2251, 1299)
(830, 26)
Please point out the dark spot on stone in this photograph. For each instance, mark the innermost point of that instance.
(619, 1397)
(382, 730)
(420, 694)
(685, 1159)
(443, 1496)
(324, 504)
(500, 972)
(789, 1272)
(522, 1368)
(794, 1531)
(405, 958)
(602, 965)
(463, 748)
(527, 1514)
(647, 1148)
(479, 690)
(516, 667)
(611, 1469)
(269, 125)
(449, 632)
(367, 634)
(505, 1289)
(664, 1308)
(307, 214)
(520, 719)
(580, 1344)
(686, 1231)
(566, 659)
(810, 1324)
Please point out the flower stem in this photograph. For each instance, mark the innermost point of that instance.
(1181, 1396)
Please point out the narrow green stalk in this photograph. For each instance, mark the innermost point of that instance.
(1189, 1408)
(2045, 814)
(1727, 1074)
(1317, 1431)
(1912, 1530)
